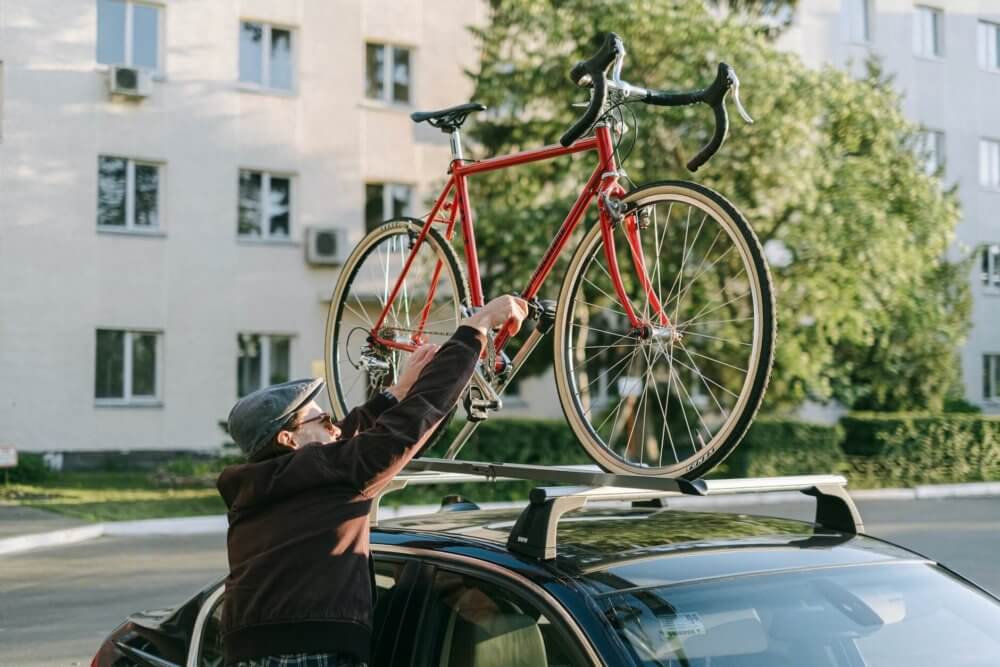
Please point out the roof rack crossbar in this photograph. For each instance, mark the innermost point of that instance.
(590, 476)
(534, 532)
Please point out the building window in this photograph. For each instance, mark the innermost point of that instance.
(265, 205)
(384, 201)
(928, 32)
(859, 20)
(991, 377)
(932, 150)
(128, 33)
(388, 76)
(989, 163)
(989, 46)
(127, 366)
(990, 265)
(128, 194)
(266, 56)
(264, 360)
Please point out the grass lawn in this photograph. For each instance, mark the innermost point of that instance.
(126, 496)
(113, 496)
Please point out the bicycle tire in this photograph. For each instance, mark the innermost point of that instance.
(337, 346)
(571, 371)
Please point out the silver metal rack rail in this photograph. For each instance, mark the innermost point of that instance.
(534, 532)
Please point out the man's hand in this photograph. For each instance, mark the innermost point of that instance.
(420, 358)
(507, 311)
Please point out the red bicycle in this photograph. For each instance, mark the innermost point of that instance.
(664, 326)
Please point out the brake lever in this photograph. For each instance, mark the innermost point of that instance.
(735, 83)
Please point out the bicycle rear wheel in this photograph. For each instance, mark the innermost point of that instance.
(667, 400)
(357, 369)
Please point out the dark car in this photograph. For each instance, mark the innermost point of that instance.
(639, 584)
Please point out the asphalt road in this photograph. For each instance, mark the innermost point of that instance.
(56, 605)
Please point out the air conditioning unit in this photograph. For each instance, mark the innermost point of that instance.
(129, 81)
(326, 245)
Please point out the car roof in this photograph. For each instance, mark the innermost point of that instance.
(611, 548)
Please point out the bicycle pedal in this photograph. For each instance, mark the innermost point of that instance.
(478, 409)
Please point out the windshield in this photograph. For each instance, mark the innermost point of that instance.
(893, 615)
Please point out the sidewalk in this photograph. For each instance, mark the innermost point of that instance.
(16, 520)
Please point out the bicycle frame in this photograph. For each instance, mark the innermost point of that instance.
(454, 201)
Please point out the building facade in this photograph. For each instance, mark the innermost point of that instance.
(944, 56)
(153, 241)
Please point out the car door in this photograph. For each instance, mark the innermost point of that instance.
(478, 617)
(395, 578)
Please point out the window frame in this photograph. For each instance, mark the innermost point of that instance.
(989, 278)
(933, 144)
(265, 357)
(387, 202)
(388, 97)
(867, 18)
(983, 30)
(129, 38)
(130, 226)
(991, 369)
(989, 163)
(265, 59)
(937, 32)
(569, 631)
(266, 237)
(127, 398)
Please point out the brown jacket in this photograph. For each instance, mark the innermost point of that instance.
(299, 572)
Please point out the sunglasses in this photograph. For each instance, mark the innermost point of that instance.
(323, 418)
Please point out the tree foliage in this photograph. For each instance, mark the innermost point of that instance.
(870, 310)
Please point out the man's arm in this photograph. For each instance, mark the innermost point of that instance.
(373, 457)
(363, 417)
(370, 459)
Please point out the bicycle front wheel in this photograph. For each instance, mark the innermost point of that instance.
(668, 398)
(427, 308)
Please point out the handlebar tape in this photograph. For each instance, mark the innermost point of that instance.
(715, 97)
(595, 68)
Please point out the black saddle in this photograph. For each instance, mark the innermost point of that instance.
(447, 120)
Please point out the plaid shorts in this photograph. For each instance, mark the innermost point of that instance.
(304, 660)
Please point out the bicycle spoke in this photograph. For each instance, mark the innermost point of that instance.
(687, 324)
(704, 379)
(704, 312)
(724, 340)
(681, 295)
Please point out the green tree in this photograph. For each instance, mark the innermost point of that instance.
(870, 310)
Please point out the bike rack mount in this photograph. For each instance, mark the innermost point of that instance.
(534, 533)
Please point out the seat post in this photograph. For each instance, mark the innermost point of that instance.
(456, 145)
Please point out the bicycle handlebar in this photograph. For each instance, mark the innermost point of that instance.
(594, 72)
(714, 96)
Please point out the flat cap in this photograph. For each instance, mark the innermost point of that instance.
(256, 418)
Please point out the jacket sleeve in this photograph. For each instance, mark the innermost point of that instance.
(369, 460)
(363, 417)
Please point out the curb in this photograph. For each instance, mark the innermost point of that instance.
(208, 525)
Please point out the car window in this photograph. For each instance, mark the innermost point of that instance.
(387, 577)
(471, 622)
(898, 615)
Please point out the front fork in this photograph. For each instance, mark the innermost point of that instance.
(615, 213)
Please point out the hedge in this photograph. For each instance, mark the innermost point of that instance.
(767, 450)
(30, 469)
(777, 446)
(904, 449)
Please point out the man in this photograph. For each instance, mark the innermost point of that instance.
(299, 590)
